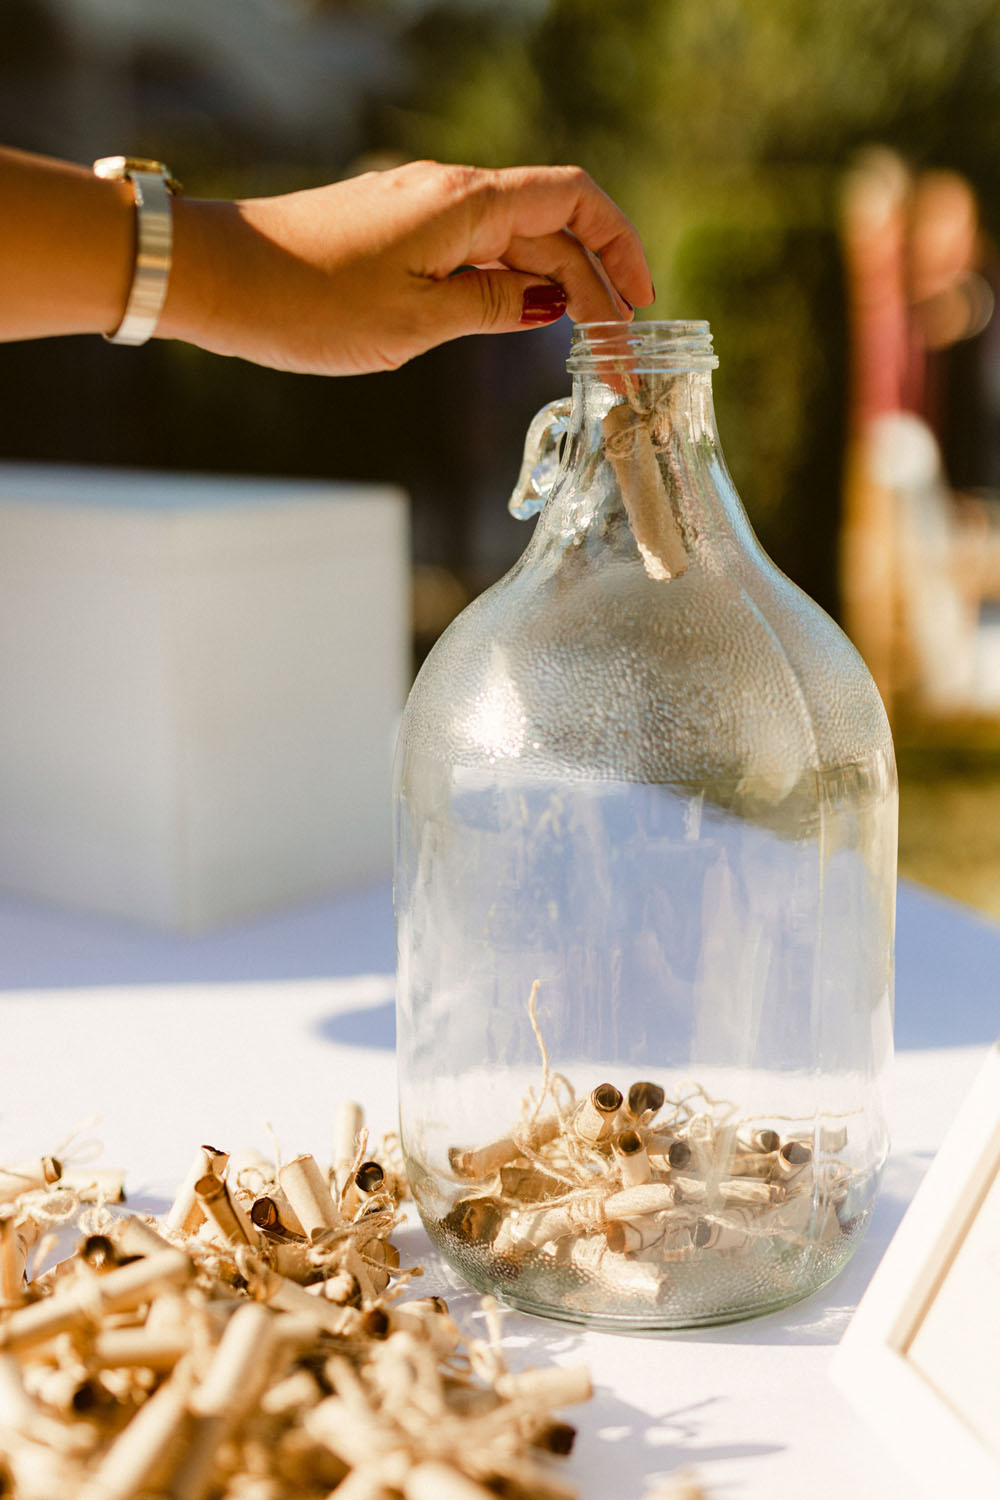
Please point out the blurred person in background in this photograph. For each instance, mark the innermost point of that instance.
(921, 543)
(953, 279)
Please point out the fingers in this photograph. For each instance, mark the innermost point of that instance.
(562, 259)
(532, 203)
(480, 301)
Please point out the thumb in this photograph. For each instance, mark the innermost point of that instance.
(495, 301)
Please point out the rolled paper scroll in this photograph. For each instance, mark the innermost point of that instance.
(529, 1184)
(352, 1431)
(290, 1258)
(765, 1141)
(367, 1482)
(221, 1208)
(99, 1252)
(668, 1151)
(308, 1192)
(295, 1393)
(139, 1348)
(481, 1162)
(730, 1233)
(13, 1261)
(366, 1181)
(628, 444)
(252, 1173)
(555, 1437)
(342, 1288)
(633, 1162)
(753, 1164)
(626, 1236)
(434, 1480)
(793, 1159)
(645, 1099)
(287, 1296)
(517, 1476)
(834, 1181)
(649, 1198)
(689, 1189)
(95, 1184)
(475, 1219)
(541, 1226)
(347, 1129)
(380, 1259)
(749, 1191)
(186, 1213)
(79, 1303)
(679, 1154)
(28, 1176)
(22, 1419)
(595, 1119)
(241, 1365)
(425, 1318)
(239, 1371)
(561, 1385)
(132, 1463)
(135, 1236)
(273, 1212)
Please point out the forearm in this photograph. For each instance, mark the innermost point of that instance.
(67, 246)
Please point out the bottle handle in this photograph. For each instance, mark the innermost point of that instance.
(542, 458)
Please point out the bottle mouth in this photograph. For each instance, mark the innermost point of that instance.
(661, 348)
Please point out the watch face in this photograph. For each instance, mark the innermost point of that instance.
(121, 166)
(117, 168)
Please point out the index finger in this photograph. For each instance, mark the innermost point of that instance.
(535, 201)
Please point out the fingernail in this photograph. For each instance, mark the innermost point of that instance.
(543, 304)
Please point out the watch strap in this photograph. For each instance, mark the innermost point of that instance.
(153, 187)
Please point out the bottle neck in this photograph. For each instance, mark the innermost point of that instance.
(642, 447)
(675, 406)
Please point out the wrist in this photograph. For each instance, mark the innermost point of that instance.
(113, 252)
(195, 309)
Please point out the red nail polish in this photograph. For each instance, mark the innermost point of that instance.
(543, 304)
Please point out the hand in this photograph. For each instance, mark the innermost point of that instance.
(367, 273)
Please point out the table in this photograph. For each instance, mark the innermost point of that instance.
(178, 1041)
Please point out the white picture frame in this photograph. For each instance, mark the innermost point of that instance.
(920, 1360)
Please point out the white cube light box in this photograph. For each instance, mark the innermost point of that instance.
(200, 680)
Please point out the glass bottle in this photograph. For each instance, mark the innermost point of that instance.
(645, 886)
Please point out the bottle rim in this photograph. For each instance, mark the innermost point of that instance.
(654, 347)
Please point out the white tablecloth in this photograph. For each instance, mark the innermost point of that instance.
(173, 1042)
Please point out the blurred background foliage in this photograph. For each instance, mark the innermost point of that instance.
(723, 127)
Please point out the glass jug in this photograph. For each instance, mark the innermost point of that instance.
(645, 886)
